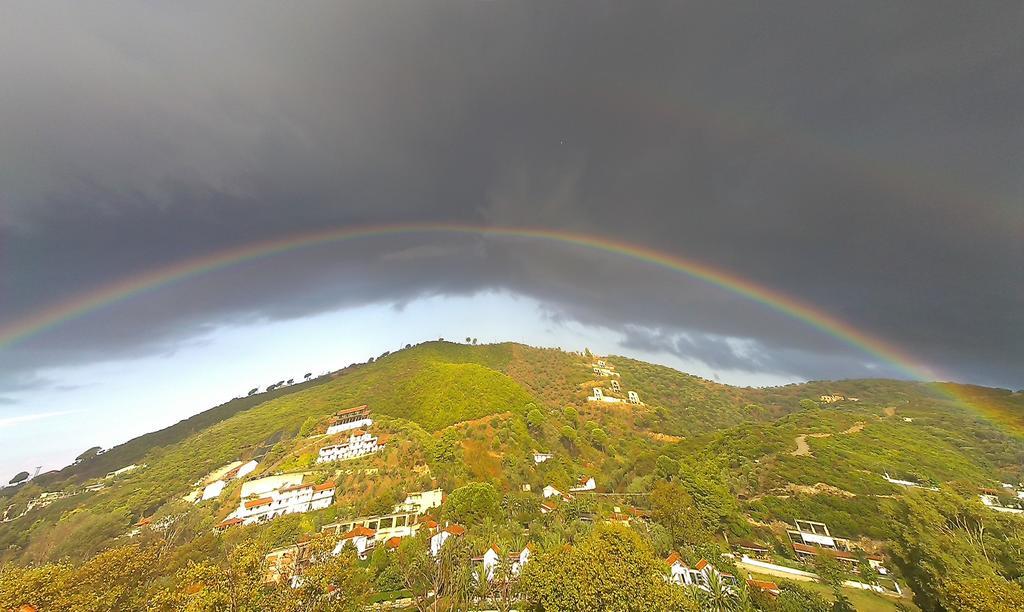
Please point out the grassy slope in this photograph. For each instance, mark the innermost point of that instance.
(441, 389)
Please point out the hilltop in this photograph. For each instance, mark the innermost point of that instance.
(449, 415)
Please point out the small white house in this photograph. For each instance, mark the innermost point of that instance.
(489, 560)
(615, 386)
(361, 538)
(634, 398)
(539, 457)
(438, 539)
(550, 491)
(599, 396)
(678, 572)
(520, 559)
(213, 490)
(585, 483)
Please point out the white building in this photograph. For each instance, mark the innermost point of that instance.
(361, 538)
(438, 539)
(213, 490)
(489, 560)
(615, 386)
(633, 397)
(421, 501)
(550, 491)
(360, 443)
(520, 559)
(585, 483)
(353, 418)
(678, 572)
(539, 457)
(263, 486)
(289, 500)
(599, 396)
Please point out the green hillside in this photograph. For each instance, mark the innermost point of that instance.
(712, 464)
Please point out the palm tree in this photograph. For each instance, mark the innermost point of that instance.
(721, 596)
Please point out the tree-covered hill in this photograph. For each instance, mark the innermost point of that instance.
(740, 462)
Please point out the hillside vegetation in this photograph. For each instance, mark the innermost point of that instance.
(731, 464)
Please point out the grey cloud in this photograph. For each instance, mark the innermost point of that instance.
(863, 158)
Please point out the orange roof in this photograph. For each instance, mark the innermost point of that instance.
(143, 521)
(584, 479)
(325, 486)
(358, 432)
(550, 505)
(353, 410)
(673, 558)
(359, 531)
(701, 565)
(455, 529)
(228, 523)
(763, 585)
(393, 543)
(258, 502)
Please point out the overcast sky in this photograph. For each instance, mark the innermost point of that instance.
(865, 158)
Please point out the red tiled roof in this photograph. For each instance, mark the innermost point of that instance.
(813, 550)
(143, 521)
(348, 411)
(258, 502)
(701, 565)
(393, 543)
(672, 558)
(584, 479)
(359, 531)
(228, 523)
(763, 585)
(455, 529)
(325, 486)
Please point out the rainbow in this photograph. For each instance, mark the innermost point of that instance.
(123, 289)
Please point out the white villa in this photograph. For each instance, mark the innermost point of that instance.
(585, 483)
(520, 559)
(263, 486)
(599, 396)
(289, 500)
(359, 444)
(421, 501)
(361, 538)
(698, 576)
(539, 457)
(551, 491)
(615, 385)
(634, 398)
(490, 560)
(385, 527)
(438, 539)
(353, 418)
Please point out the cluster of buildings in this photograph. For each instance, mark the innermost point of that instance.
(831, 399)
(360, 442)
(810, 538)
(267, 498)
(699, 575)
(603, 368)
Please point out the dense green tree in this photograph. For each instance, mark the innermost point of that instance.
(471, 504)
(666, 467)
(535, 419)
(611, 569)
(829, 569)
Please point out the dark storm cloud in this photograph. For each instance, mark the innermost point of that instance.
(864, 158)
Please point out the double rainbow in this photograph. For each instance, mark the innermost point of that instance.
(111, 293)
